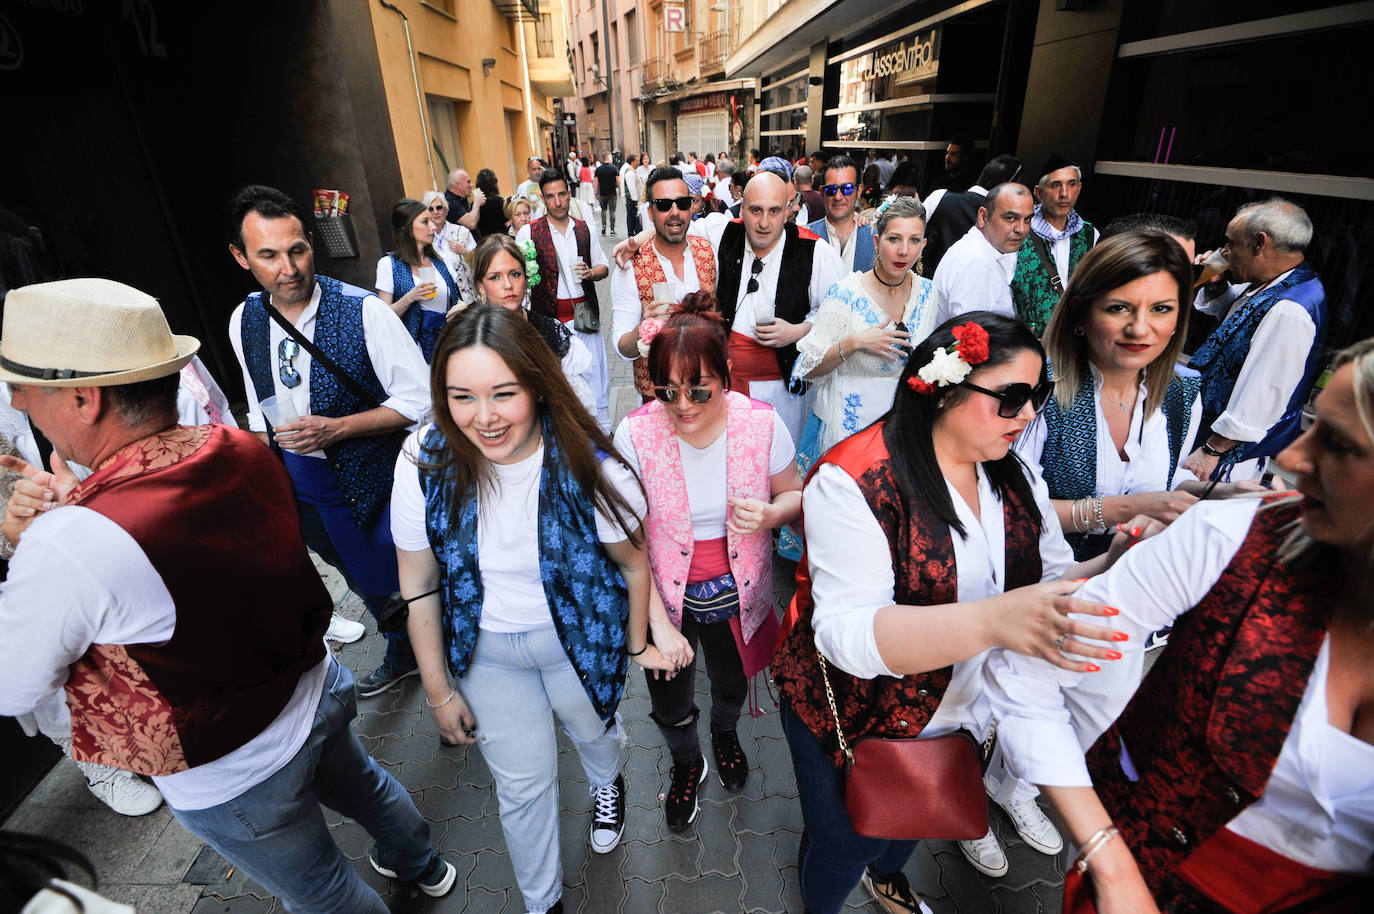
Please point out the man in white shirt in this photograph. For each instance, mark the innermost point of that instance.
(340, 427)
(950, 215)
(244, 727)
(629, 183)
(1260, 363)
(570, 262)
(976, 271)
(841, 227)
(529, 188)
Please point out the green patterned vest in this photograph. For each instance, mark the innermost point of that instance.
(1032, 290)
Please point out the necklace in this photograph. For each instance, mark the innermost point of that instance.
(878, 275)
(1121, 404)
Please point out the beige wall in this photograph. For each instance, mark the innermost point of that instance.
(490, 108)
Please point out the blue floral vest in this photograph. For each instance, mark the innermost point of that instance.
(586, 593)
(363, 467)
(403, 280)
(1068, 462)
(1220, 358)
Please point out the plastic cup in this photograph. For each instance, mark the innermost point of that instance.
(279, 411)
(764, 311)
(1210, 269)
(431, 276)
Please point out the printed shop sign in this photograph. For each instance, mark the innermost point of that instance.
(910, 59)
(674, 18)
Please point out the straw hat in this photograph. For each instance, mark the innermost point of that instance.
(87, 333)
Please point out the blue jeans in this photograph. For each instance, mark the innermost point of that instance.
(276, 833)
(516, 683)
(836, 854)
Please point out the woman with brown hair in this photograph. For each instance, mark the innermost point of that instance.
(517, 529)
(413, 278)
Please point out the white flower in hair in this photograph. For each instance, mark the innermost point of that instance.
(945, 369)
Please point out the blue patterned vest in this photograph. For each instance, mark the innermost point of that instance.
(586, 594)
(1068, 462)
(864, 250)
(363, 467)
(1220, 358)
(403, 280)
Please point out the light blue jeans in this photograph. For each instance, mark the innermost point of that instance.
(516, 683)
(276, 833)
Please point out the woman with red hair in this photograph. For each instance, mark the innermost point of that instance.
(719, 474)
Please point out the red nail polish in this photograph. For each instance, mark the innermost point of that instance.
(1110, 611)
(1120, 636)
(1080, 580)
(1094, 668)
(1113, 655)
(1135, 531)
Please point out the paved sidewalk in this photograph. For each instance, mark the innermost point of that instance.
(739, 856)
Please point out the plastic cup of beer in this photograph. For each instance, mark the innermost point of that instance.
(1211, 268)
(764, 311)
(431, 276)
(279, 411)
(665, 296)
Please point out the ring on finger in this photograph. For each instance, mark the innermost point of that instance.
(1059, 642)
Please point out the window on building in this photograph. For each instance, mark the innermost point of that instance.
(543, 35)
(614, 54)
(632, 37)
(443, 134)
(596, 57)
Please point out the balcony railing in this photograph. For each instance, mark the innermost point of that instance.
(712, 50)
(655, 73)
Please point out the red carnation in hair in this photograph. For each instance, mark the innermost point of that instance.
(973, 343)
(919, 385)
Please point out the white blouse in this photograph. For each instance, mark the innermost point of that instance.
(1146, 466)
(1318, 807)
(386, 283)
(852, 578)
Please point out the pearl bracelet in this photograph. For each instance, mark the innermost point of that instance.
(451, 694)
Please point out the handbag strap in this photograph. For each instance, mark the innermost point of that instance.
(316, 355)
(834, 709)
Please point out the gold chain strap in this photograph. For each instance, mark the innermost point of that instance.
(834, 709)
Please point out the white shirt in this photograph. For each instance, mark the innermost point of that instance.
(385, 283)
(1146, 467)
(513, 598)
(852, 578)
(1272, 369)
(932, 202)
(629, 182)
(845, 249)
(626, 308)
(395, 358)
(96, 586)
(722, 192)
(1318, 807)
(565, 244)
(826, 270)
(703, 470)
(1060, 250)
(974, 276)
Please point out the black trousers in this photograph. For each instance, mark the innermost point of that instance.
(674, 705)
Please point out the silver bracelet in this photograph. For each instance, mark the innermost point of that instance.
(1094, 844)
(840, 346)
(451, 694)
(1097, 514)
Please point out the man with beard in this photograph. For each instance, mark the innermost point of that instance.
(671, 257)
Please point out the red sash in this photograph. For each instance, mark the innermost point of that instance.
(750, 360)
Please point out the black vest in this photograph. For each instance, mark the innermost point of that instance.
(793, 301)
(956, 214)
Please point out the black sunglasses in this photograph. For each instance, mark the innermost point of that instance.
(663, 204)
(1015, 396)
(695, 394)
(754, 270)
(287, 350)
(831, 190)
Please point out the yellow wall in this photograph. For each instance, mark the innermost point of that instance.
(449, 53)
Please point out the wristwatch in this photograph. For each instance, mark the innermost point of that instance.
(1213, 452)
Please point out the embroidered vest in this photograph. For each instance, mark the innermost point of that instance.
(648, 270)
(544, 297)
(586, 593)
(793, 302)
(864, 250)
(748, 440)
(1221, 357)
(1205, 729)
(1068, 462)
(1032, 292)
(162, 708)
(403, 280)
(922, 551)
(363, 467)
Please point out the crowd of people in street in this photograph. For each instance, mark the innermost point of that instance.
(967, 417)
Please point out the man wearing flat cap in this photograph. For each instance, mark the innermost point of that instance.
(1057, 241)
(180, 611)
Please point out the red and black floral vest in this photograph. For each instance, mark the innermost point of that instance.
(1205, 728)
(544, 296)
(922, 551)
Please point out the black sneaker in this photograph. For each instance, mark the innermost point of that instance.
(608, 816)
(731, 766)
(680, 807)
(382, 678)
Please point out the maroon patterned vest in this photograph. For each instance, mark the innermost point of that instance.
(1205, 728)
(922, 550)
(544, 297)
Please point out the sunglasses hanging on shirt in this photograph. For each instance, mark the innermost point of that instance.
(755, 269)
(287, 350)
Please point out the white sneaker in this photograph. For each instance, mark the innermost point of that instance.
(344, 631)
(1034, 826)
(123, 791)
(986, 855)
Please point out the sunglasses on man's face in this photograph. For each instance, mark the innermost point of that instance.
(695, 394)
(1014, 397)
(287, 350)
(663, 204)
(831, 190)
